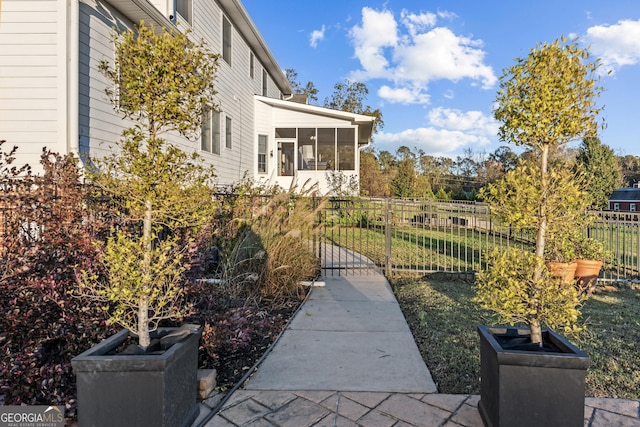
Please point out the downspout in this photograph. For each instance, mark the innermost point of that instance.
(73, 79)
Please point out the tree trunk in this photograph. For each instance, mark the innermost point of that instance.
(536, 331)
(534, 322)
(144, 339)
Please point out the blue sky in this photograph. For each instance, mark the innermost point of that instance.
(432, 67)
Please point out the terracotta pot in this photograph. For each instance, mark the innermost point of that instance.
(565, 270)
(587, 274)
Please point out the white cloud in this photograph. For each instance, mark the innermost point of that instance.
(434, 142)
(316, 36)
(441, 55)
(378, 31)
(403, 95)
(449, 132)
(417, 23)
(616, 45)
(474, 122)
(414, 52)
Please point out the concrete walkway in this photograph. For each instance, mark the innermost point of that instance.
(349, 359)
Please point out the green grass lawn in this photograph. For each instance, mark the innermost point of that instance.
(443, 321)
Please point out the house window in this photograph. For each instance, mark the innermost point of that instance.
(264, 83)
(227, 132)
(616, 206)
(183, 8)
(262, 153)
(251, 64)
(226, 40)
(632, 207)
(210, 134)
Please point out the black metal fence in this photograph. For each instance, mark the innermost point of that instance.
(424, 236)
(398, 236)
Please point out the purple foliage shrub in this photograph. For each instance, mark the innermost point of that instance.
(45, 237)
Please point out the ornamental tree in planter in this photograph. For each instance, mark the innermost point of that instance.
(545, 100)
(163, 82)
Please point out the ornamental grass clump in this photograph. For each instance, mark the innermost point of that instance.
(274, 252)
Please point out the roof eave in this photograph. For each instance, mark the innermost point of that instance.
(243, 21)
(142, 10)
(365, 123)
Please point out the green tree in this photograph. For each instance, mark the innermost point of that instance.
(373, 181)
(630, 166)
(505, 156)
(405, 182)
(442, 194)
(597, 165)
(350, 96)
(163, 81)
(388, 162)
(546, 100)
(309, 90)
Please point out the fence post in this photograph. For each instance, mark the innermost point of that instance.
(387, 238)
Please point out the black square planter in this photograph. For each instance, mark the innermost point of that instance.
(530, 388)
(157, 390)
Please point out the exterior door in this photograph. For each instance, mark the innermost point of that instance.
(286, 158)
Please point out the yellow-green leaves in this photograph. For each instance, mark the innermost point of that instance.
(517, 197)
(132, 281)
(164, 82)
(549, 96)
(510, 288)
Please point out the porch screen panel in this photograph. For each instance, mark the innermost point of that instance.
(326, 149)
(286, 133)
(306, 149)
(346, 149)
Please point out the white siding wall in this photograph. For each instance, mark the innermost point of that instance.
(34, 90)
(99, 126)
(235, 93)
(32, 77)
(264, 126)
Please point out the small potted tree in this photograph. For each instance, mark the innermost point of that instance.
(163, 82)
(526, 383)
(532, 376)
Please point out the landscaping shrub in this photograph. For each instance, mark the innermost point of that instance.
(45, 239)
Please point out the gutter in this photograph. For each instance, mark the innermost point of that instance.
(73, 79)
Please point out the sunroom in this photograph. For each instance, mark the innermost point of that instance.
(302, 145)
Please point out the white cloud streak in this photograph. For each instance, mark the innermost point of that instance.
(316, 36)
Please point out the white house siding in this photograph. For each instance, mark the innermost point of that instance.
(33, 52)
(37, 66)
(235, 89)
(98, 126)
(264, 126)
